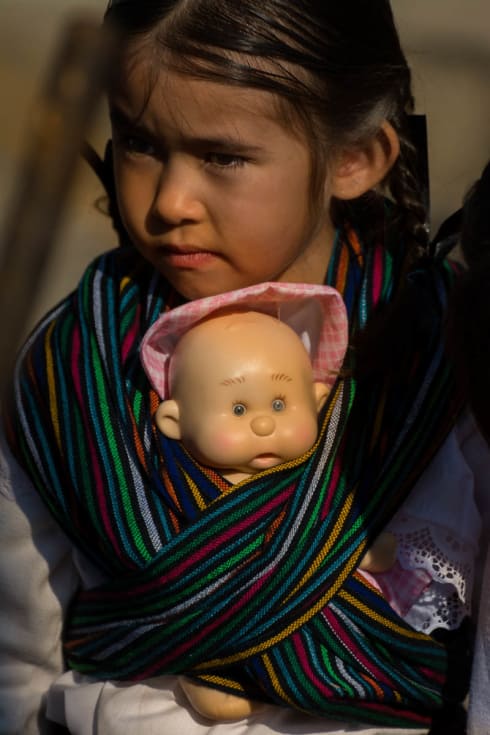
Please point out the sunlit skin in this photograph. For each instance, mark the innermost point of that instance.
(212, 188)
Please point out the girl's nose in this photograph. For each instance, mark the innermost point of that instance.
(263, 425)
(176, 199)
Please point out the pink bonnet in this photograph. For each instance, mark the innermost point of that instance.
(316, 313)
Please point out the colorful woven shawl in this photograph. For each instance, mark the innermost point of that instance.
(251, 588)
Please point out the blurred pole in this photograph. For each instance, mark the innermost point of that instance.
(60, 119)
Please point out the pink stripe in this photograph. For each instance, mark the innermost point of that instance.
(434, 675)
(202, 553)
(377, 274)
(336, 470)
(191, 642)
(224, 539)
(305, 665)
(131, 335)
(106, 518)
(353, 649)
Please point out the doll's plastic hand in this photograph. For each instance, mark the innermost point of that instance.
(382, 554)
(217, 705)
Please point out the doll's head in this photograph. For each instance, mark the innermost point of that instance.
(242, 388)
(243, 396)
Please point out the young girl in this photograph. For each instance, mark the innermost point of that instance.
(251, 142)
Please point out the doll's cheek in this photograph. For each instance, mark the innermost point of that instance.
(228, 440)
(303, 437)
(219, 445)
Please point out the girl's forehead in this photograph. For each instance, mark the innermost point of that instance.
(147, 75)
(166, 97)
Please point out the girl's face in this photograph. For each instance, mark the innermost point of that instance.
(212, 189)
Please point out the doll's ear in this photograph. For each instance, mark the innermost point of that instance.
(321, 391)
(361, 168)
(167, 419)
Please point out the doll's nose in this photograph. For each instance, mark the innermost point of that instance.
(263, 425)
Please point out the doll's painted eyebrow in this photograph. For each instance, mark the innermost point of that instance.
(276, 377)
(233, 381)
(281, 377)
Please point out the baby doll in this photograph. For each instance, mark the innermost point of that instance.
(240, 392)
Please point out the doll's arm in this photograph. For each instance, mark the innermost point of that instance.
(217, 705)
(382, 554)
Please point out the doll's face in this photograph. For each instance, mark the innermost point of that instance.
(243, 395)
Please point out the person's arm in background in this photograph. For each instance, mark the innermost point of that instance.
(469, 319)
(469, 331)
(479, 704)
(37, 580)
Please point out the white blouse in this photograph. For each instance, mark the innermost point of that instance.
(442, 531)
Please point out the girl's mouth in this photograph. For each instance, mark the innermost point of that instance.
(187, 257)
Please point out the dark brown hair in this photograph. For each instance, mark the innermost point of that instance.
(337, 69)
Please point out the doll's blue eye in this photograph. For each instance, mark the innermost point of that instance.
(278, 404)
(239, 409)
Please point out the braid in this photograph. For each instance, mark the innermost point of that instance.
(406, 190)
(406, 177)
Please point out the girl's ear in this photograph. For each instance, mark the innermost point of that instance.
(358, 170)
(167, 419)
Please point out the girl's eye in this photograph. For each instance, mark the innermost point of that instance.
(239, 409)
(278, 404)
(224, 160)
(136, 145)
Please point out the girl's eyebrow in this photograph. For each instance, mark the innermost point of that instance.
(122, 119)
(225, 142)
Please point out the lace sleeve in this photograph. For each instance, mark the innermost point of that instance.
(438, 530)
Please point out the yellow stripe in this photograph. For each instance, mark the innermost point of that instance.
(196, 493)
(53, 403)
(407, 632)
(124, 282)
(293, 627)
(222, 680)
(275, 683)
(336, 531)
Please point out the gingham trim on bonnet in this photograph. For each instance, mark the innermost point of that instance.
(316, 313)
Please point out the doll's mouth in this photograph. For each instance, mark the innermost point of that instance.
(265, 460)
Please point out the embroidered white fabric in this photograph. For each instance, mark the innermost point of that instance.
(448, 559)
